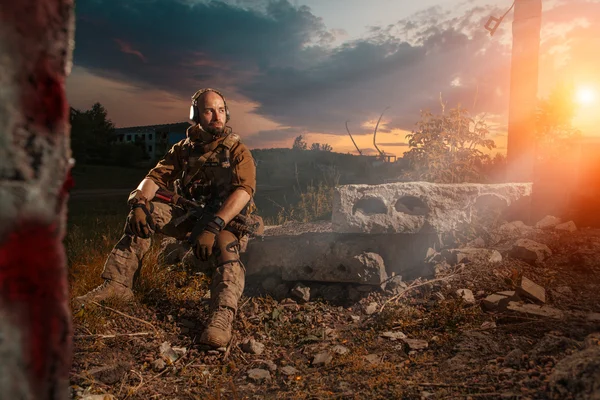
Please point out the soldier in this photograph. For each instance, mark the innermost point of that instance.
(211, 165)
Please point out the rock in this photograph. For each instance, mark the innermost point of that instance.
(466, 295)
(467, 255)
(288, 370)
(514, 359)
(270, 364)
(488, 325)
(339, 349)
(578, 376)
(355, 318)
(394, 285)
(512, 230)
(167, 353)
(393, 335)
(551, 345)
(416, 344)
(373, 359)
(259, 375)
(371, 308)
(301, 292)
(531, 290)
(530, 251)
(323, 358)
(158, 365)
(547, 222)
(566, 227)
(251, 346)
(499, 301)
(495, 257)
(110, 374)
(417, 207)
(534, 309)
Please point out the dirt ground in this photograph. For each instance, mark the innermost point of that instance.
(416, 340)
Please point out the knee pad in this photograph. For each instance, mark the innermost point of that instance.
(233, 247)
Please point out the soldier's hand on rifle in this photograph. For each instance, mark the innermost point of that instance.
(204, 243)
(140, 217)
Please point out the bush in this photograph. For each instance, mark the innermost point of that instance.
(445, 148)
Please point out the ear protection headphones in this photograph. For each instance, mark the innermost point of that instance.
(195, 111)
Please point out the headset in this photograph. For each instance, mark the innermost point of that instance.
(195, 112)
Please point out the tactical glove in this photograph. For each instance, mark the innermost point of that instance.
(140, 220)
(204, 243)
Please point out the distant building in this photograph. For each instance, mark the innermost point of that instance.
(156, 139)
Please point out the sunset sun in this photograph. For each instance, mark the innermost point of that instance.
(585, 95)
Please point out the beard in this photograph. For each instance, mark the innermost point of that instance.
(215, 130)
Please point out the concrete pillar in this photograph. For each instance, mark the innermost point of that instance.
(523, 90)
(36, 40)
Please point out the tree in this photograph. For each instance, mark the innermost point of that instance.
(91, 134)
(445, 148)
(299, 143)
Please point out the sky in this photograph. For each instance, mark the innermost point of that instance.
(306, 67)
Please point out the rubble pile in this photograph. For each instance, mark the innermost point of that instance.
(511, 313)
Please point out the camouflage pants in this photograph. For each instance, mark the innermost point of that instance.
(228, 278)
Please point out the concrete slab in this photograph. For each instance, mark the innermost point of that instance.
(419, 207)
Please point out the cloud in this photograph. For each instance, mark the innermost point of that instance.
(282, 58)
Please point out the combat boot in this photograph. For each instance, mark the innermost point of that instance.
(218, 331)
(107, 290)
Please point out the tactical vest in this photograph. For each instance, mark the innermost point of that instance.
(207, 172)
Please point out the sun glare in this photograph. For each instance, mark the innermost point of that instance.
(585, 96)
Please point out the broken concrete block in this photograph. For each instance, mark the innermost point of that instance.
(512, 230)
(531, 290)
(530, 251)
(535, 309)
(466, 295)
(418, 207)
(259, 375)
(547, 222)
(371, 308)
(301, 292)
(393, 335)
(416, 344)
(567, 227)
(495, 257)
(499, 301)
(323, 358)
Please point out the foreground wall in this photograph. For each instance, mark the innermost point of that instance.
(35, 328)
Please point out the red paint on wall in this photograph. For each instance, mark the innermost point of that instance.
(47, 104)
(33, 283)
